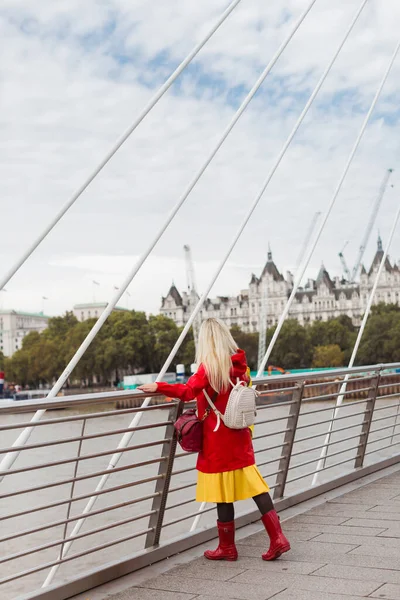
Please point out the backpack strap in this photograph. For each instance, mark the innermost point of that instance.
(219, 415)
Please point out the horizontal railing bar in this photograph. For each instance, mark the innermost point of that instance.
(388, 407)
(189, 516)
(317, 435)
(61, 541)
(381, 439)
(323, 468)
(179, 504)
(184, 453)
(386, 426)
(330, 381)
(77, 400)
(384, 447)
(77, 459)
(73, 557)
(274, 420)
(93, 513)
(355, 403)
(280, 390)
(274, 405)
(182, 487)
(82, 478)
(79, 438)
(385, 396)
(386, 385)
(43, 507)
(313, 460)
(81, 418)
(330, 420)
(181, 471)
(270, 434)
(267, 462)
(300, 452)
(325, 396)
(269, 448)
(272, 474)
(344, 394)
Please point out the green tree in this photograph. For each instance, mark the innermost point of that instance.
(163, 334)
(293, 349)
(59, 327)
(339, 331)
(381, 340)
(328, 356)
(86, 367)
(249, 343)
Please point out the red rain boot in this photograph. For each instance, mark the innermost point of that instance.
(226, 548)
(279, 544)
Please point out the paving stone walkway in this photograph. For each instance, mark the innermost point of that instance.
(345, 549)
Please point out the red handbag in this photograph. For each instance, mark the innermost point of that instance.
(189, 429)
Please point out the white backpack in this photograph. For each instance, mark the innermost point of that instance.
(241, 408)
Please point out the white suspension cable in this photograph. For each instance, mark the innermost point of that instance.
(343, 387)
(157, 96)
(10, 458)
(327, 214)
(272, 172)
(127, 437)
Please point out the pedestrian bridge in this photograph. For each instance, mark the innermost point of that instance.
(97, 498)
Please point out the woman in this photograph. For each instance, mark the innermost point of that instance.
(226, 465)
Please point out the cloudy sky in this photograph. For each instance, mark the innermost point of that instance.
(74, 75)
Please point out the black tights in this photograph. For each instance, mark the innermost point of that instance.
(226, 512)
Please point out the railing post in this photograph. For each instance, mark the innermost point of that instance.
(368, 415)
(162, 485)
(284, 462)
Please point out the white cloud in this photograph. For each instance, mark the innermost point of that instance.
(73, 78)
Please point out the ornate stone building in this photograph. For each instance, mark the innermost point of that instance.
(320, 299)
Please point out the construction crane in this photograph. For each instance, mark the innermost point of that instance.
(307, 240)
(346, 269)
(372, 220)
(351, 277)
(192, 293)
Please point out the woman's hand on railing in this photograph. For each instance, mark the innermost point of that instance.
(148, 388)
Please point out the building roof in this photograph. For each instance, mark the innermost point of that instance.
(378, 259)
(271, 269)
(304, 293)
(347, 291)
(324, 278)
(22, 313)
(97, 305)
(173, 291)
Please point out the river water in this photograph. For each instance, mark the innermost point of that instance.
(268, 441)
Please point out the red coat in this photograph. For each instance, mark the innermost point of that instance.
(225, 449)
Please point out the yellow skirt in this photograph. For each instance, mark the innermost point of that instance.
(230, 486)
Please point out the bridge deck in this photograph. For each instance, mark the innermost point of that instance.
(343, 549)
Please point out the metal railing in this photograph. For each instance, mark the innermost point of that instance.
(147, 509)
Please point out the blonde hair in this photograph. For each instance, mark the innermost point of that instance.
(215, 348)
